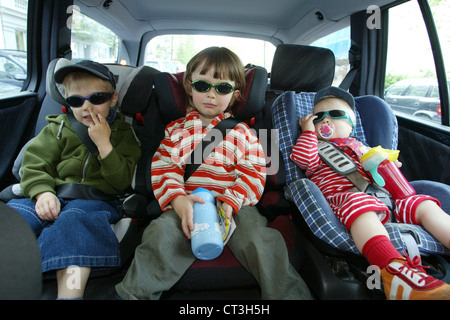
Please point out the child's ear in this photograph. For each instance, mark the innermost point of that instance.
(188, 88)
(114, 99)
(236, 95)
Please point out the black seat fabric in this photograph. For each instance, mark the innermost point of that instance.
(21, 259)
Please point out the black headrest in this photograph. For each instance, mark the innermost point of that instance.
(172, 97)
(134, 85)
(302, 68)
(136, 88)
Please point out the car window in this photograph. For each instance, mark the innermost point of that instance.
(396, 89)
(91, 40)
(410, 62)
(171, 53)
(338, 42)
(434, 92)
(13, 45)
(417, 91)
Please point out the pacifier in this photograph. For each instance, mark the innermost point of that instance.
(326, 130)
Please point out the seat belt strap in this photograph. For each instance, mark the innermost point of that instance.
(192, 164)
(354, 57)
(82, 132)
(342, 164)
(81, 191)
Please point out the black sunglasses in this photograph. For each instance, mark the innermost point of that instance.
(221, 88)
(95, 98)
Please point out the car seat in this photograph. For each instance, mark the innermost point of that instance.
(223, 277)
(21, 258)
(134, 86)
(304, 71)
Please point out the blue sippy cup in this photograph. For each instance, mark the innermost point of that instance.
(206, 238)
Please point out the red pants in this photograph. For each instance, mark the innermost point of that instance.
(349, 205)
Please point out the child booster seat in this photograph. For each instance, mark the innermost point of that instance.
(223, 275)
(134, 86)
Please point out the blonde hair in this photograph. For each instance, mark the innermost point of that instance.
(226, 65)
(80, 79)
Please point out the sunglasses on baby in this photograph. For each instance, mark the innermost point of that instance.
(333, 114)
(95, 98)
(204, 86)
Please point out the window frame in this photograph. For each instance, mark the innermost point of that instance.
(438, 59)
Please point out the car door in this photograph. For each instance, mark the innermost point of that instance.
(31, 28)
(417, 53)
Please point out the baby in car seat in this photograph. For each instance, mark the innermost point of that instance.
(333, 119)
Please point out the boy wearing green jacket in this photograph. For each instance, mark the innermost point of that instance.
(74, 229)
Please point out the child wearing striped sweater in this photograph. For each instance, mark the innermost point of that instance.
(333, 119)
(234, 172)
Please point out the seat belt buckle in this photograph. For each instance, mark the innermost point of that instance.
(383, 197)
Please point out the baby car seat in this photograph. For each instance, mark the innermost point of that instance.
(223, 277)
(307, 70)
(134, 86)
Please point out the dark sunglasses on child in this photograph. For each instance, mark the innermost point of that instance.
(204, 86)
(333, 114)
(95, 98)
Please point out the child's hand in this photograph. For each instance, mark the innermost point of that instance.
(228, 210)
(398, 164)
(306, 123)
(99, 132)
(183, 206)
(47, 206)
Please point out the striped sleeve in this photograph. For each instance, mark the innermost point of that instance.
(167, 171)
(305, 153)
(249, 171)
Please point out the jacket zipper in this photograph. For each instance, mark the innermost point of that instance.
(83, 174)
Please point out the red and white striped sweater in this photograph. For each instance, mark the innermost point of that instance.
(234, 171)
(306, 155)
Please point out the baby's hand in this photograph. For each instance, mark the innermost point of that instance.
(47, 206)
(306, 123)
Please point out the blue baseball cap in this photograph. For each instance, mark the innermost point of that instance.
(90, 66)
(337, 93)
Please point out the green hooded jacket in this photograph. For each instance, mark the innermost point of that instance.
(58, 156)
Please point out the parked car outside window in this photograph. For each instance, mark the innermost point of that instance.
(13, 70)
(419, 97)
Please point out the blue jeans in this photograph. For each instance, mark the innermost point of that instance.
(81, 235)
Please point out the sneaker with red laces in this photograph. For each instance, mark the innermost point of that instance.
(405, 279)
